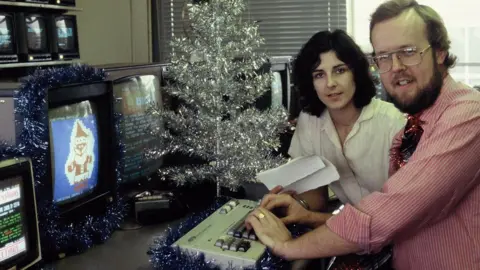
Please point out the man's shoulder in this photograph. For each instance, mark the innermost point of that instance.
(463, 97)
(461, 104)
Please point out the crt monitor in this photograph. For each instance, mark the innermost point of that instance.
(82, 146)
(8, 44)
(33, 37)
(64, 37)
(19, 240)
(10, 119)
(137, 95)
(136, 87)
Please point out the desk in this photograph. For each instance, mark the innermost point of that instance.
(125, 250)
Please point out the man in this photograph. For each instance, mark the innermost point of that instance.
(429, 209)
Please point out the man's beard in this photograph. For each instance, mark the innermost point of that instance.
(424, 98)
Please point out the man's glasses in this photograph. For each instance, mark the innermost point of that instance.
(408, 56)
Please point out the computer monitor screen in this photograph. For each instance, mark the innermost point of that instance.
(6, 34)
(74, 150)
(13, 230)
(9, 131)
(36, 33)
(66, 34)
(138, 95)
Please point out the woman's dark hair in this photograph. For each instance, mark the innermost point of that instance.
(348, 52)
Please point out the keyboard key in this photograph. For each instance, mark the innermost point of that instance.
(233, 203)
(227, 243)
(219, 243)
(235, 244)
(245, 234)
(243, 246)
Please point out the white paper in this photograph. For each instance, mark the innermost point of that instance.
(301, 174)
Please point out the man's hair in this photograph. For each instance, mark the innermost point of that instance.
(435, 28)
(346, 50)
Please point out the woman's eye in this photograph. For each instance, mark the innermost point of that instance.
(341, 70)
(318, 75)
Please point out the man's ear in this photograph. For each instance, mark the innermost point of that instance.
(441, 56)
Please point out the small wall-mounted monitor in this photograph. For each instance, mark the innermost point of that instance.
(33, 37)
(10, 120)
(63, 2)
(64, 37)
(19, 235)
(8, 43)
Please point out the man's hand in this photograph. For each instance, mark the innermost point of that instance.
(294, 211)
(269, 229)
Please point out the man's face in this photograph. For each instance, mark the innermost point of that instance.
(413, 88)
(79, 148)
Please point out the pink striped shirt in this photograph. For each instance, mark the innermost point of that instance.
(430, 208)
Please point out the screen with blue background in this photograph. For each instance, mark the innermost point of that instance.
(70, 126)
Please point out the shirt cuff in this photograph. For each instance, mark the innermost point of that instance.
(353, 226)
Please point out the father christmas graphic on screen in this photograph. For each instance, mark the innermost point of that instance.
(75, 156)
(79, 165)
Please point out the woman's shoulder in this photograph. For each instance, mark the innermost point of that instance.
(307, 121)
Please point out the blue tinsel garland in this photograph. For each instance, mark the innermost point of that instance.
(165, 257)
(57, 236)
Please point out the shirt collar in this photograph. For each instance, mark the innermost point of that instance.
(367, 113)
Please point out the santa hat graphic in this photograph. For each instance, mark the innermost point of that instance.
(81, 135)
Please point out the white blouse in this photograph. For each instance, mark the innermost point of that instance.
(364, 162)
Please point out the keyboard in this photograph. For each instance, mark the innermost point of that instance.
(223, 238)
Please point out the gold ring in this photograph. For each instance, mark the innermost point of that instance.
(261, 215)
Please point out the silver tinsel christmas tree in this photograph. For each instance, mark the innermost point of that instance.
(215, 66)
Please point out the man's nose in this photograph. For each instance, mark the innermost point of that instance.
(397, 64)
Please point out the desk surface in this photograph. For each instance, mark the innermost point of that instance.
(125, 250)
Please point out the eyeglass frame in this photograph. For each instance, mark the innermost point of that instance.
(390, 57)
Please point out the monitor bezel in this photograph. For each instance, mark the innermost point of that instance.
(14, 33)
(58, 50)
(23, 168)
(101, 94)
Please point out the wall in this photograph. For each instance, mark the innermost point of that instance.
(114, 31)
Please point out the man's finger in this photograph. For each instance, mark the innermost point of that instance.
(267, 198)
(279, 201)
(276, 190)
(287, 220)
(290, 192)
(268, 216)
(252, 222)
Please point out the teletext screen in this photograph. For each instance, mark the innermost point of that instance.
(13, 240)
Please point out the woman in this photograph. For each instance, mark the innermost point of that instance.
(340, 120)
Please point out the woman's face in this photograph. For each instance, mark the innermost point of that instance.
(333, 81)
